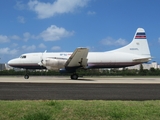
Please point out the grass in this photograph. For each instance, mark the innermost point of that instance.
(79, 110)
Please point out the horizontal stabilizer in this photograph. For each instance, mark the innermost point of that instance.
(142, 59)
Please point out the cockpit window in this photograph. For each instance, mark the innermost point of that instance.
(23, 56)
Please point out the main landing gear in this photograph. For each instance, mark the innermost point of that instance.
(74, 76)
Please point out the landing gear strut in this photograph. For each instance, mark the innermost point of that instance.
(74, 76)
(26, 76)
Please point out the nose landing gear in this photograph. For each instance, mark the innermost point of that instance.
(26, 76)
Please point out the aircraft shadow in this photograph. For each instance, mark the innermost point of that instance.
(82, 79)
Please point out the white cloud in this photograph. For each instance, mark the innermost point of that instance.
(46, 10)
(121, 42)
(15, 37)
(54, 33)
(4, 38)
(55, 48)
(110, 41)
(91, 48)
(20, 5)
(91, 13)
(29, 48)
(42, 46)
(21, 19)
(159, 39)
(8, 51)
(13, 52)
(26, 36)
(14, 44)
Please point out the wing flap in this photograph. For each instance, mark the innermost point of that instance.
(78, 58)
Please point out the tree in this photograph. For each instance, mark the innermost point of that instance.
(141, 71)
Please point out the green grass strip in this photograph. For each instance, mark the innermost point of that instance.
(79, 110)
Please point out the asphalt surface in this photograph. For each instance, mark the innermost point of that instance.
(78, 91)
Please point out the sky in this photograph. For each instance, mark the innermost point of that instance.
(63, 25)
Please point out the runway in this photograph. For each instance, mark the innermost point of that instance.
(66, 79)
(89, 88)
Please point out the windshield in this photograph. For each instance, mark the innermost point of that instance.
(23, 56)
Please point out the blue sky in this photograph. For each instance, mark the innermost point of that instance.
(63, 25)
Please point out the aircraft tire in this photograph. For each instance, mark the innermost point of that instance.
(74, 76)
(26, 76)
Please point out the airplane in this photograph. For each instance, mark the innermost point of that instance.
(134, 53)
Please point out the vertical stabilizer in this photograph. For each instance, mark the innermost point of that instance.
(138, 46)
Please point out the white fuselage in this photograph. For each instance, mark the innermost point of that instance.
(108, 59)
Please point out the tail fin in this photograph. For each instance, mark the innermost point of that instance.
(138, 46)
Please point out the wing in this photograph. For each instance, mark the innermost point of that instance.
(78, 58)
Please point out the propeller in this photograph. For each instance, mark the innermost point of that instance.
(42, 59)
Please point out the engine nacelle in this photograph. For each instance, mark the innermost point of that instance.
(54, 64)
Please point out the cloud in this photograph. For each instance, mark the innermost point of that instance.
(8, 51)
(29, 48)
(20, 5)
(46, 10)
(26, 36)
(121, 42)
(54, 33)
(110, 42)
(4, 39)
(15, 37)
(42, 46)
(159, 39)
(14, 45)
(91, 13)
(55, 48)
(21, 19)
(91, 48)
